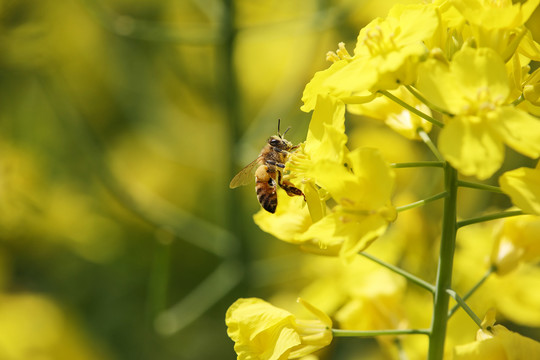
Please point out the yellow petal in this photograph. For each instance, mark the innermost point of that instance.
(523, 187)
(479, 69)
(261, 330)
(290, 220)
(375, 176)
(326, 134)
(519, 130)
(316, 86)
(360, 232)
(471, 147)
(439, 86)
(506, 345)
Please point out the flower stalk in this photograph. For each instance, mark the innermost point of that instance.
(373, 333)
(444, 271)
(476, 286)
(489, 217)
(412, 278)
(411, 108)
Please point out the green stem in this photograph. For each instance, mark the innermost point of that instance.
(427, 140)
(519, 100)
(397, 270)
(489, 217)
(465, 307)
(473, 185)
(411, 108)
(444, 271)
(488, 273)
(422, 202)
(429, 104)
(372, 333)
(417, 164)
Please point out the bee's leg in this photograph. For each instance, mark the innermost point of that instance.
(278, 150)
(275, 163)
(289, 187)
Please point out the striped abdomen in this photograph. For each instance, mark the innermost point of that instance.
(266, 187)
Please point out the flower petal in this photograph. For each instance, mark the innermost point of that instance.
(523, 187)
(519, 130)
(471, 147)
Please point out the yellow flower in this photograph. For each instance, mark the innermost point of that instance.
(515, 241)
(523, 187)
(496, 24)
(262, 331)
(362, 193)
(495, 342)
(359, 185)
(386, 55)
(521, 296)
(475, 88)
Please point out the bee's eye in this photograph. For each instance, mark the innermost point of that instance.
(274, 142)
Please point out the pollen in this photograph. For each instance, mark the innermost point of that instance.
(340, 54)
(483, 104)
(377, 43)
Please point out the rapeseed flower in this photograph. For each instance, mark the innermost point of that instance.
(496, 342)
(519, 276)
(474, 87)
(386, 55)
(358, 183)
(516, 241)
(496, 24)
(264, 332)
(523, 187)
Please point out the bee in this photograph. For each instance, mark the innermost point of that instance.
(268, 176)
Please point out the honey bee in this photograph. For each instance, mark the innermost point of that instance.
(270, 163)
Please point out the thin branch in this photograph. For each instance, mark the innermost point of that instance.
(411, 108)
(465, 307)
(490, 217)
(519, 100)
(473, 185)
(413, 164)
(427, 140)
(490, 271)
(372, 333)
(429, 104)
(412, 278)
(415, 204)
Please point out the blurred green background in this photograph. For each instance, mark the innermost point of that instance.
(121, 124)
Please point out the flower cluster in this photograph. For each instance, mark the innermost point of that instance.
(464, 68)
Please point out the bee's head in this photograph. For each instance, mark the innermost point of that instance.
(279, 142)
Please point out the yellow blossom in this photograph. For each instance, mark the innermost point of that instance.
(516, 240)
(386, 55)
(523, 187)
(359, 185)
(496, 342)
(496, 24)
(475, 88)
(521, 296)
(262, 331)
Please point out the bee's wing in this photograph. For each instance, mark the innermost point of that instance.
(245, 176)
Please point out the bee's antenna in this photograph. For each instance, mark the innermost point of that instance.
(289, 128)
(278, 125)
